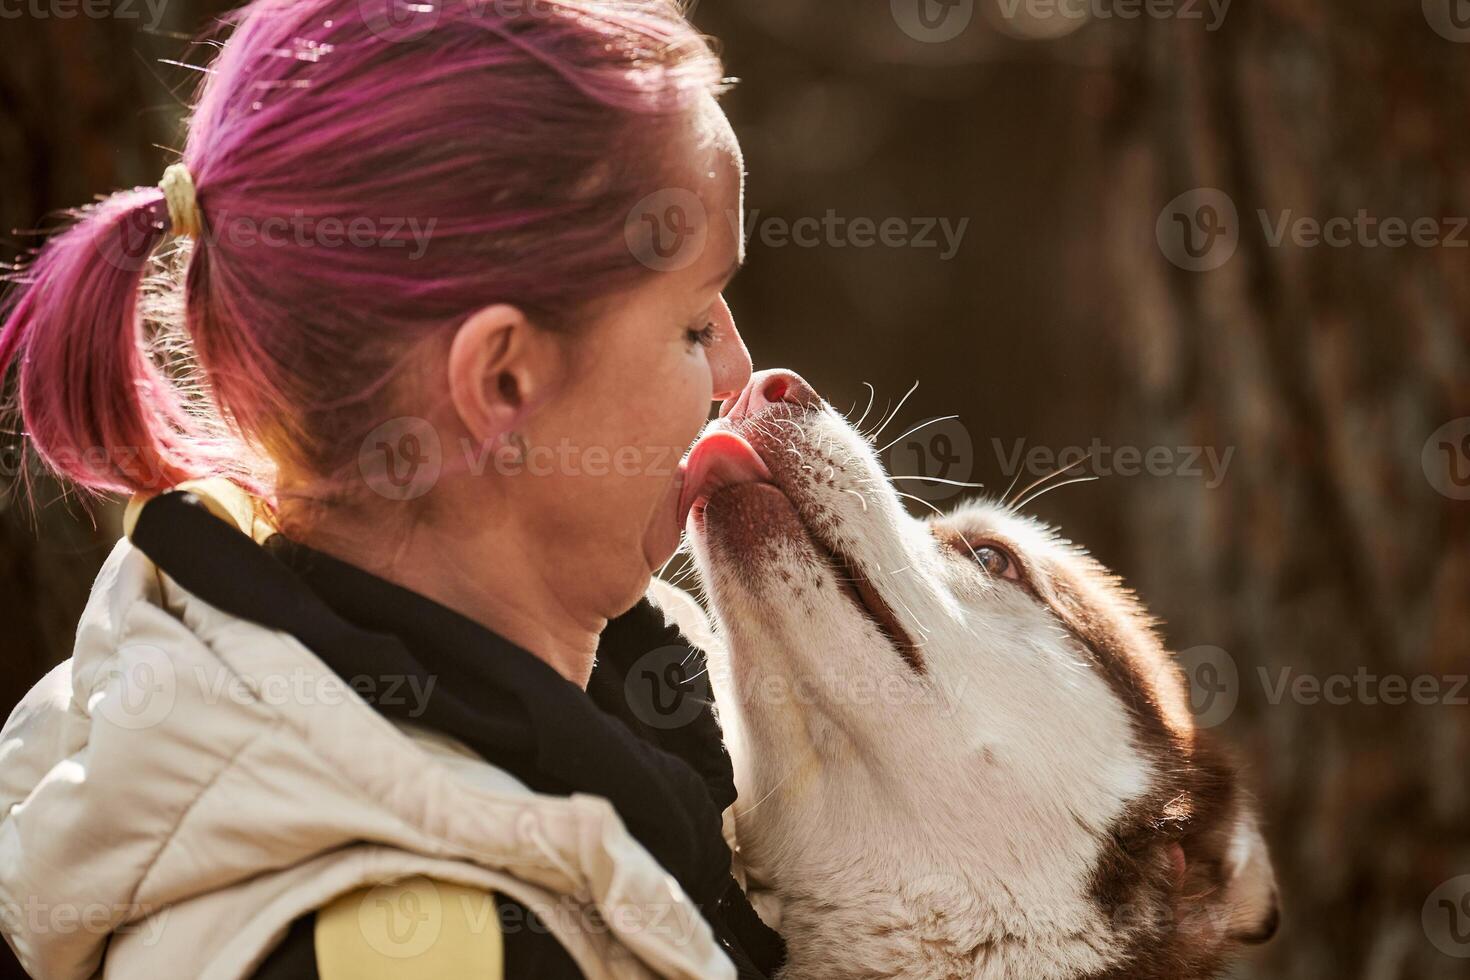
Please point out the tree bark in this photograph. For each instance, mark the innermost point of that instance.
(1328, 549)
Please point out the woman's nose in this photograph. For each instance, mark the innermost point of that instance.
(768, 388)
(729, 361)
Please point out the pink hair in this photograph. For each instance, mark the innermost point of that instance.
(521, 132)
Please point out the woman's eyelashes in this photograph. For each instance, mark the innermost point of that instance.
(702, 336)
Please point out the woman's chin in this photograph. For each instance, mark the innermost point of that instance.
(661, 539)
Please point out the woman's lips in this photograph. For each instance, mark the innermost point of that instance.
(719, 459)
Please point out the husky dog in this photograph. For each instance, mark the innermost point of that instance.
(961, 749)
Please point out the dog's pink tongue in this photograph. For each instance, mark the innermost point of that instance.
(719, 459)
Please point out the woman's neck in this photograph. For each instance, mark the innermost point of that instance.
(491, 577)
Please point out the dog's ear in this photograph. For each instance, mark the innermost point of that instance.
(1250, 903)
(1225, 886)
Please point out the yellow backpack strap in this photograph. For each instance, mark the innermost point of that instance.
(419, 928)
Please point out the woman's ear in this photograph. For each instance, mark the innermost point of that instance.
(500, 367)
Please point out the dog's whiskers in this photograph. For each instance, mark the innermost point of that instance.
(920, 500)
(872, 395)
(890, 416)
(1014, 504)
(781, 782)
(930, 479)
(869, 435)
(1055, 486)
(916, 428)
(912, 616)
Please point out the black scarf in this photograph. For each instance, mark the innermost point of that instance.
(508, 705)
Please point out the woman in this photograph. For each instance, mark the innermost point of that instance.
(453, 312)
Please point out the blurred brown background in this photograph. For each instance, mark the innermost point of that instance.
(1282, 419)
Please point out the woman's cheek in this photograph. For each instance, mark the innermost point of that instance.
(686, 408)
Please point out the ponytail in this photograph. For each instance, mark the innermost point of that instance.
(97, 408)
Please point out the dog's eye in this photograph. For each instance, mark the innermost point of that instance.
(996, 561)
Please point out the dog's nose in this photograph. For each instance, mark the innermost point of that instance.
(767, 388)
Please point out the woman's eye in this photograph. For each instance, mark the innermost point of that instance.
(997, 562)
(702, 337)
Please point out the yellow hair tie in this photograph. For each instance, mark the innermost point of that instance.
(183, 208)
